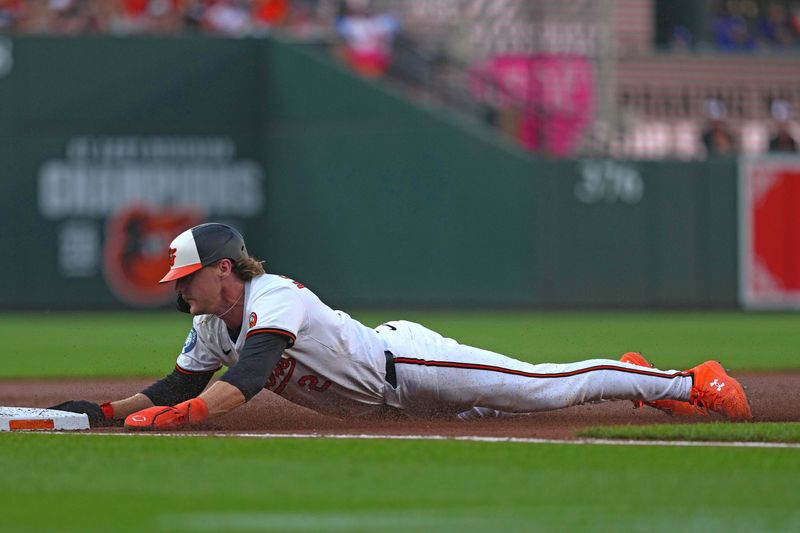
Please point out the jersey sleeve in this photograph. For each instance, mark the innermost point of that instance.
(195, 357)
(278, 311)
(259, 357)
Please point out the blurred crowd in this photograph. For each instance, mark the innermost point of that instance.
(718, 135)
(73, 17)
(747, 26)
(365, 36)
(772, 26)
(374, 42)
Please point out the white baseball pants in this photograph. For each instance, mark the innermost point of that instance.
(437, 376)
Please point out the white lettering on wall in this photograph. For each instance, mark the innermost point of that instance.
(100, 175)
(78, 249)
(610, 182)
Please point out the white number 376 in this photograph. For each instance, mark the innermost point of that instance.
(610, 182)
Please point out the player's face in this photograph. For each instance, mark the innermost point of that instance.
(201, 290)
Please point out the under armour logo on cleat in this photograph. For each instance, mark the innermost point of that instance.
(718, 384)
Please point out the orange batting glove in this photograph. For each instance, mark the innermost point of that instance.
(191, 412)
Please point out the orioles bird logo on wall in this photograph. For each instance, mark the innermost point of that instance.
(133, 255)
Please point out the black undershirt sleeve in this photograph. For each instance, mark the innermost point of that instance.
(259, 356)
(177, 387)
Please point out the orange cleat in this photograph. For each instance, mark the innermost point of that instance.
(714, 389)
(671, 407)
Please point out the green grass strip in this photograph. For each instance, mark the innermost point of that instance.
(147, 343)
(717, 432)
(140, 483)
(93, 344)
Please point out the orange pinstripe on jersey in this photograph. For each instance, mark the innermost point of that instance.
(489, 368)
(291, 336)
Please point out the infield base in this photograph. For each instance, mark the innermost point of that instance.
(38, 419)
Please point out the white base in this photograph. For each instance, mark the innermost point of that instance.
(38, 419)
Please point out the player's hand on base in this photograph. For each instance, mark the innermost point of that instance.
(99, 415)
(190, 412)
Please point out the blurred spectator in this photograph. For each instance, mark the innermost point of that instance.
(228, 18)
(149, 16)
(9, 13)
(794, 19)
(782, 140)
(73, 17)
(717, 136)
(732, 33)
(367, 37)
(681, 39)
(774, 27)
(64, 17)
(267, 13)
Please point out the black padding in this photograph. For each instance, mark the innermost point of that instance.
(177, 387)
(258, 358)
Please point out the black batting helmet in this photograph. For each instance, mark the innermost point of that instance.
(202, 245)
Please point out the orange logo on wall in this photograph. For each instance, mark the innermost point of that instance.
(133, 254)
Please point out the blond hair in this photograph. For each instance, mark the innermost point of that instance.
(248, 268)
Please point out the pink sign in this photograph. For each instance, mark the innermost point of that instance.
(554, 95)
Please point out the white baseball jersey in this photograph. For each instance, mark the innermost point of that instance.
(335, 365)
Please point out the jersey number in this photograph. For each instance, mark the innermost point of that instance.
(282, 375)
(312, 382)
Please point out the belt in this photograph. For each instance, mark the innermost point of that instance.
(391, 375)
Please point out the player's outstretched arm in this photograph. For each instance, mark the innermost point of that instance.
(122, 408)
(236, 387)
(174, 388)
(220, 398)
(108, 413)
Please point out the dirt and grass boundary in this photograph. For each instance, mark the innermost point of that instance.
(773, 396)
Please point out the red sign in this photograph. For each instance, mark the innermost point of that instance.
(769, 263)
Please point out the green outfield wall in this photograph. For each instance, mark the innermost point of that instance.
(111, 146)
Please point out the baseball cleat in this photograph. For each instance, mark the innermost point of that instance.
(671, 407)
(714, 389)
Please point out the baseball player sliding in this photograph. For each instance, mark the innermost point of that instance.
(273, 332)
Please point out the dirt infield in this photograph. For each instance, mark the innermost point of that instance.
(774, 397)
